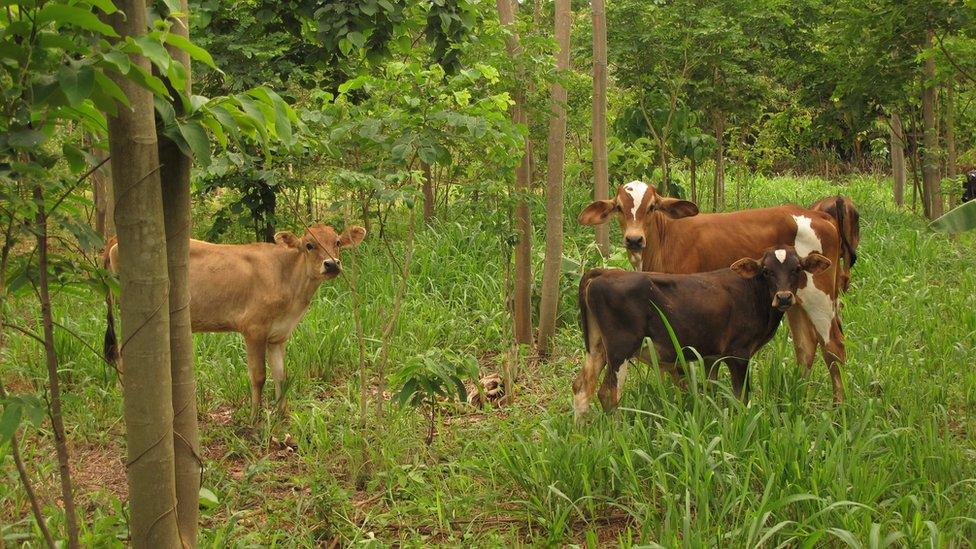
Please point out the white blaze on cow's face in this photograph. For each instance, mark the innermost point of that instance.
(633, 205)
(320, 247)
(816, 302)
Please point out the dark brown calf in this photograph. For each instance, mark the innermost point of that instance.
(670, 236)
(842, 209)
(727, 315)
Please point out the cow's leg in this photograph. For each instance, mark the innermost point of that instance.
(585, 384)
(613, 384)
(835, 354)
(739, 370)
(804, 338)
(256, 348)
(276, 359)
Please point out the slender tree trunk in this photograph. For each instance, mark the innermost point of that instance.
(142, 267)
(931, 180)
(898, 159)
(552, 268)
(25, 480)
(950, 137)
(718, 196)
(102, 191)
(522, 307)
(694, 179)
(428, 191)
(601, 178)
(175, 175)
(51, 357)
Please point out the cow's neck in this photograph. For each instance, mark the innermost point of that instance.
(297, 275)
(656, 229)
(767, 317)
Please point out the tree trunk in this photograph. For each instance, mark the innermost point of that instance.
(601, 179)
(950, 137)
(175, 175)
(522, 307)
(552, 269)
(931, 180)
(718, 192)
(102, 191)
(898, 159)
(665, 171)
(51, 356)
(428, 190)
(694, 179)
(146, 387)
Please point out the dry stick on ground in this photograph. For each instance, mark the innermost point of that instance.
(51, 357)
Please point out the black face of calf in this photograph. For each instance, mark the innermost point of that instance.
(969, 187)
(783, 272)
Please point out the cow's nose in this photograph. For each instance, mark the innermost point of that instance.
(634, 242)
(332, 265)
(783, 300)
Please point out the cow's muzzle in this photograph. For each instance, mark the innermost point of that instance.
(331, 266)
(783, 300)
(634, 243)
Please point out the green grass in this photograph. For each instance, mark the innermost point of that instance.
(895, 465)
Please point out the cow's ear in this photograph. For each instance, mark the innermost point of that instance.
(677, 208)
(815, 263)
(352, 236)
(287, 238)
(746, 267)
(597, 213)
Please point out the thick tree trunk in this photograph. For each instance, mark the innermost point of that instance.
(931, 179)
(522, 306)
(898, 159)
(175, 175)
(601, 179)
(552, 268)
(428, 190)
(147, 378)
(718, 190)
(51, 357)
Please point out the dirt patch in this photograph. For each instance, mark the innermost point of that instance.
(99, 467)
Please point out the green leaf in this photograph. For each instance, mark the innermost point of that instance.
(153, 50)
(10, 420)
(76, 83)
(208, 499)
(196, 138)
(957, 220)
(119, 60)
(141, 76)
(26, 139)
(110, 88)
(61, 15)
(357, 39)
(195, 52)
(75, 157)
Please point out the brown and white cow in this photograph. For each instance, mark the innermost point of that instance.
(726, 315)
(669, 235)
(259, 290)
(848, 219)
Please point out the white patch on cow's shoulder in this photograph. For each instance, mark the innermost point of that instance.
(806, 240)
(636, 190)
(817, 304)
(781, 255)
(818, 307)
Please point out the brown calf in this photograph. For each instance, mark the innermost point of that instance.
(728, 314)
(668, 235)
(848, 219)
(260, 290)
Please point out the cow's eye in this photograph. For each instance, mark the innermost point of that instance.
(338, 243)
(310, 246)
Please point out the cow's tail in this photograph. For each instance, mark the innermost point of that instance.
(110, 347)
(584, 323)
(846, 248)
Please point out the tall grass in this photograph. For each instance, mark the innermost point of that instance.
(894, 465)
